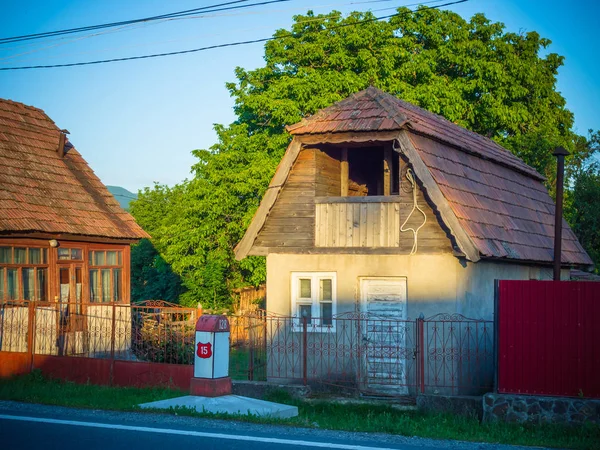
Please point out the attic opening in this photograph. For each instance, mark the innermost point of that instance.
(358, 171)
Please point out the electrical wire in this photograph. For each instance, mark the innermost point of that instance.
(27, 37)
(202, 16)
(211, 47)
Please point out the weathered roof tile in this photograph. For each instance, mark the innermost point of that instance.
(499, 200)
(40, 191)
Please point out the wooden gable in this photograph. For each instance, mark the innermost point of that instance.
(485, 200)
(310, 216)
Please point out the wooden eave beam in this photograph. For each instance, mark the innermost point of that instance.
(260, 216)
(66, 237)
(351, 137)
(463, 240)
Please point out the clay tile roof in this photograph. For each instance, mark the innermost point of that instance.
(384, 112)
(368, 110)
(507, 214)
(499, 201)
(40, 191)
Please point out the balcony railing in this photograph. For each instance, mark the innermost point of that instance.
(357, 221)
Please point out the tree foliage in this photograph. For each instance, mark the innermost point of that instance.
(583, 208)
(151, 277)
(475, 73)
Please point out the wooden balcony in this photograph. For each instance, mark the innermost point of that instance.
(357, 221)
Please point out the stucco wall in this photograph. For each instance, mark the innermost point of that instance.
(435, 283)
(438, 283)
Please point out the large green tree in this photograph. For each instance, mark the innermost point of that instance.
(475, 73)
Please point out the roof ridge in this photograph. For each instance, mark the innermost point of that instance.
(471, 133)
(20, 104)
(381, 98)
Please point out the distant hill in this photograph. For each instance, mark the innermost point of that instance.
(122, 195)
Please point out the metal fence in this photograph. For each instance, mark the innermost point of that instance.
(153, 331)
(445, 354)
(548, 338)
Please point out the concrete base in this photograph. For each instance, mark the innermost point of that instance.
(228, 404)
(210, 387)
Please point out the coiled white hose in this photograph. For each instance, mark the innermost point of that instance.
(410, 177)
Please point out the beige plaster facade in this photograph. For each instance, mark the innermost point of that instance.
(437, 283)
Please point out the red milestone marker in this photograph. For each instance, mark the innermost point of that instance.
(211, 358)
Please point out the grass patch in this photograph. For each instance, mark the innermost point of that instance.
(34, 388)
(386, 419)
(316, 414)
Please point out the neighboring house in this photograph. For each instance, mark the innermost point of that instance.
(64, 239)
(381, 207)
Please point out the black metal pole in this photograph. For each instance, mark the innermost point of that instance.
(560, 154)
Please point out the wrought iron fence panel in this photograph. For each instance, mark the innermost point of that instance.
(163, 334)
(14, 327)
(459, 354)
(444, 354)
(247, 359)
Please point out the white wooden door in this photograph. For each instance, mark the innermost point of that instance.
(383, 302)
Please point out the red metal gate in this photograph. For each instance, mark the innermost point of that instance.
(549, 338)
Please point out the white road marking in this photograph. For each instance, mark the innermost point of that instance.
(232, 437)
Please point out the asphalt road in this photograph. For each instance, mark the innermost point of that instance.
(26, 426)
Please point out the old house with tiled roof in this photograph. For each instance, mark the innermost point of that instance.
(64, 239)
(381, 207)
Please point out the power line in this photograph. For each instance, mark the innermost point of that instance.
(202, 16)
(211, 8)
(211, 47)
(123, 195)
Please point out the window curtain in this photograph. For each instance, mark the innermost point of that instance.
(42, 284)
(13, 284)
(117, 285)
(28, 284)
(94, 286)
(106, 285)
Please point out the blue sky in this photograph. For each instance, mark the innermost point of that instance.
(137, 122)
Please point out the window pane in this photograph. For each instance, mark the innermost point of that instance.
(42, 285)
(12, 279)
(28, 284)
(305, 288)
(35, 256)
(326, 314)
(325, 289)
(91, 257)
(76, 253)
(111, 258)
(44, 256)
(105, 285)
(20, 255)
(119, 254)
(78, 287)
(2, 289)
(94, 286)
(6, 255)
(99, 259)
(64, 284)
(305, 311)
(64, 253)
(117, 285)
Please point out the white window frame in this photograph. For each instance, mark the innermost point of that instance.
(314, 301)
